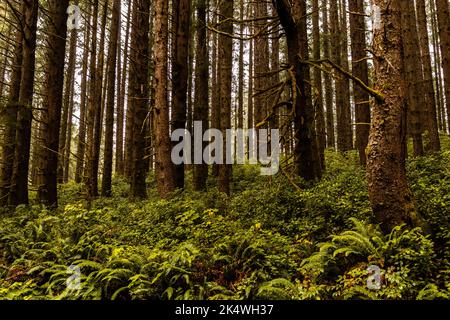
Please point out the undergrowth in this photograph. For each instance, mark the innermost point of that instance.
(267, 241)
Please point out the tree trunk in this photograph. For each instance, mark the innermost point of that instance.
(110, 99)
(386, 173)
(240, 104)
(331, 138)
(19, 182)
(443, 17)
(120, 167)
(81, 143)
(164, 165)
(434, 144)
(181, 14)
(414, 76)
(139, 93)
(215, 88)
(48, 156)
(294, 22)
(225, 80)
(344, 142)
(68, 138)
(360, 70)
(9, 118)
(346, 107)
(90, 117)
(99, 105)
(200, 171)
(320, 119)
(69, 87)
(437, 68)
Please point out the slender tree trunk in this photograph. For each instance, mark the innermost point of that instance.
(120, 166)
(81, 142)
(19, 182)
(360, 70)
(180, 74)
(9, 118)
(69, 87)
(90, 116)
(68, 138)
(215, 88)
(240, 104)
(343, 121)
(110, 99)
(438, 67)
(200, 171)
(261, 63)
(434, 144)
(294, 22)
(386, 174)
(443, 17)
(250, 107)
(346, 110)
(331, 139)
(139, 93)
(414, 76)
(99, 106)
(164, 165)
(320, 119)
(225, 80)
(56, 46)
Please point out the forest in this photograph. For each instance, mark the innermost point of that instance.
(224, 150)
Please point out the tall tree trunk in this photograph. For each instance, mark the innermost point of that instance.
(438, 67)
(180, 74)
(346, 107)
(48, 156)
(19, 182)
(240, 104)
(90, 116)
(443, 17)
(215, 88)
(69, 87)
(331, 138)
(360, 70)
(225, 80)
(164, 165)
(110, 99)
(434, 144)
(120, 157)
(95, 113)
(414, 76)
(81, 142)
(294, 22)
(9, 118)
(200, 171)
(261, 63)
(386, 174)
(139, 93)
(250, 106)
(68, 138)
(343, 122)
(99, 104)
(320, 119)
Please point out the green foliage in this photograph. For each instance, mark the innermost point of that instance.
(267, 241)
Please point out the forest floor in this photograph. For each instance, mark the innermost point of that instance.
(268, 241)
